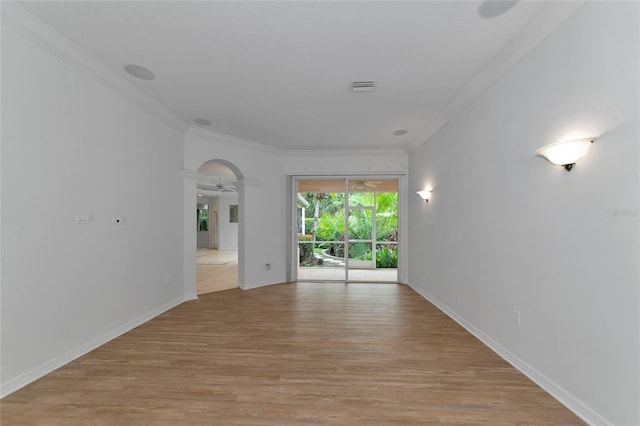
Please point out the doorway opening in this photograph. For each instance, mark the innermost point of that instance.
(217, 228)
(347, 229)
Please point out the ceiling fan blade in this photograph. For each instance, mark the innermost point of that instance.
(365, 184)
(216, 188)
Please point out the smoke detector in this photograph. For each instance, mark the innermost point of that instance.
(362, 86)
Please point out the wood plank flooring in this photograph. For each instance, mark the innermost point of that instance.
(290, 354)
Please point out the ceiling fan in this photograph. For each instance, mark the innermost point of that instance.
(366, 184)
(218, 187)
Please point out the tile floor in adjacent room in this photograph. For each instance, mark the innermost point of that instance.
(216, 270)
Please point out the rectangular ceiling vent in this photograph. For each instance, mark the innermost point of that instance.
(362, 86)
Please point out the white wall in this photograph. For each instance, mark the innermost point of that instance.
(506, 231)
(203, 239)
(227, 231)
(214, 234)
(262, 205)
(345, 162)
(73, 147)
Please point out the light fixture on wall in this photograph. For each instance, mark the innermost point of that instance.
(566, 153)
(425, 194)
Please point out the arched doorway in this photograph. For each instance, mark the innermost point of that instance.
(214, 197)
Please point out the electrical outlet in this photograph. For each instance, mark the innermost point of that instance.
(82, 220)
(267, 266)
(515, 317)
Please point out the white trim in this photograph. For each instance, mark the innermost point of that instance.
(232, 140)
(32, 28)
(192, 176)
(286, 152)
(190, 296)
(578, 407)
(358, 153)
(189, 248)
(258, 284)
(361, 174)
(249, 182)
(34, 374)
(401, 178)
(195, 176)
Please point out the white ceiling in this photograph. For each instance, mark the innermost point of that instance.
(278, 73)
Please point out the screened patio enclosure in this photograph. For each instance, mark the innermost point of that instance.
(347, 229)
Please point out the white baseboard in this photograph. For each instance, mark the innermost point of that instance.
(250, 286)
(34, 374)
(567, 399)
(190, 296)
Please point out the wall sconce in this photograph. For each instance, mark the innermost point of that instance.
(424, 194)
(566, 153)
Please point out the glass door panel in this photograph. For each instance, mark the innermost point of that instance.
(321, 227)
(387, 230)
(360, 237)
(347, 230)
(361, 255)
(361, 224)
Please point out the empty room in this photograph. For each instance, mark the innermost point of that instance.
(320, 212)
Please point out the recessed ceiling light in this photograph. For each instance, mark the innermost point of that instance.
(493, 8)
(400, 132)
(139, 72)
(202, 121)
(199, 195)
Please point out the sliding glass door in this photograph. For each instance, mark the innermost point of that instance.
(347, 229)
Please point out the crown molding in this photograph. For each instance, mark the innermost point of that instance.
(543, 24)
(190, 176)
(232, 141)
(20, 20)
(365, 152)
(255, 146)
(249, 182)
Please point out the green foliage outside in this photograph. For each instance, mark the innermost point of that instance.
(306, 251)
(331, 226)
(203, 219)
(387, 256)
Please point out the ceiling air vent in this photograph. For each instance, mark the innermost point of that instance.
(362, 86)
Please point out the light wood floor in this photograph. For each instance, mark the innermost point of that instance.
(290, 354)
(216, 270)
